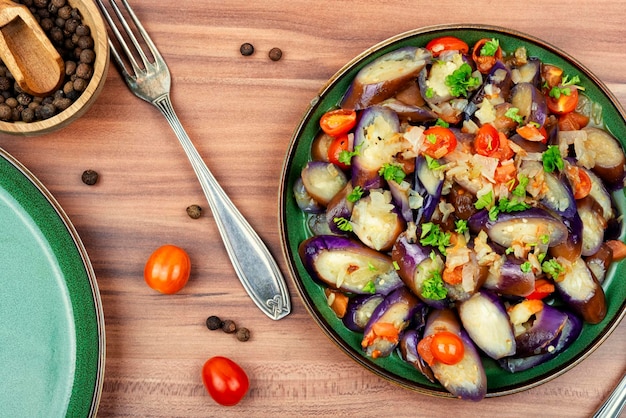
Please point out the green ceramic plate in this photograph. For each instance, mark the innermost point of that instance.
(294, 228)
(51, 324)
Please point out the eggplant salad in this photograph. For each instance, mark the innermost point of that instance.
(459, 200)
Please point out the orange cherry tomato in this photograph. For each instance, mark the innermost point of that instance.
(225, 380)
(543, 288)
(531, 133)
(338, 122)
(580, 181)
(446, 43)
(438, 142)
(443, 346)
(487, 140)
(167, 270)
(565, 103)
(337, 146)
(484, 63)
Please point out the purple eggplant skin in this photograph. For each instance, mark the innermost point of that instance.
(385, 76)
(569, 333)
(593, 225)
(600, 194)
(376, 135)
(359, 311)
(416, 266)
(304, 200)
(559, 195)
(339, 207)
(485, 319)
(530, 102)
(466, 379)
(600, 262)
(410, 113)
(323, 180)
(408, 352)
(400, 197)
(509, 279)
(429, 185)
(528, 226)
(610, 162)
(530, 146)
(345, 264)
(582, 292)
(540, 337)
(499, 77)
(530, 72)
(398, 309)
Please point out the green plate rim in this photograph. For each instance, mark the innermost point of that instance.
(389, 368)
(74, 263)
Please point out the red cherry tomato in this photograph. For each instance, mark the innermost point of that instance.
(438, 142)
(338, 122)
(487, 140)
(565, 103)
(337, 146)
(484, 63)
(580, 181)
(543, 289)
(446, 43)
(225, 380)
(167, 270)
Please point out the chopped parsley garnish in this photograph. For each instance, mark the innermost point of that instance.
(441, 122)
(369, 287)
(545, 239)
(552, 268)
(395, 265)
(371, 267)
(507, 206)
(513, 113)
(343, 224)
(429, 93)
(490, 48)
(355, 194)
(461, 226)
(526, 267)
(433, 236)
(484, 201)
(345, 156)
(432, 163)
(432, 138)
(520, 189)
(392, 172)
(552, 159)
(433, 288)
(461, 81)
(565, 87)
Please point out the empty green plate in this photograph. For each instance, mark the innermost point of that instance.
(294, 228)
(52, 346)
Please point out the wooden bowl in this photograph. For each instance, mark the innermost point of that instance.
(92, 18)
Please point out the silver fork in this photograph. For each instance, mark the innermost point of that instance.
(150, 80)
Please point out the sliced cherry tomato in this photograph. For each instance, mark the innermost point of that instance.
(487, 140)
(572, 121)
(446, 43)
(531, 132)
(580, 181)
(543, 289)
(505, 173)
(338, 122)
(338, 302)
(167, 270)
(484, 63)
(225, 380)
(565, 103)
(438, 142)
(339, 144)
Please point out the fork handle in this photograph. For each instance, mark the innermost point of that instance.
(253, 263)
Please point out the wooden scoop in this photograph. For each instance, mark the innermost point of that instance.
(27, 52)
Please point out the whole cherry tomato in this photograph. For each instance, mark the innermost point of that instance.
(225, 380)
(439, 141)
(167, 270)
(447, 43)
(338, 122)
(443, 346)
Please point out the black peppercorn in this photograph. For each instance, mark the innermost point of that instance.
(229, 326)
(90, 177)
(194, 211)
(246, 49)
(275, 54)
(213, 322)
(243, 334)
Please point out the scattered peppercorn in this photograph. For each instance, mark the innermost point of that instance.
(213, 322)
(275, 54)
(229, 326)
(194, 211)
(90, 177)
(243, 334)
(246, 49)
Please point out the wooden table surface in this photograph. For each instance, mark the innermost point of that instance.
(241, 112)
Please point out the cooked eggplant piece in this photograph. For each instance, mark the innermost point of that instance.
(416, 267)
(570, 332)
(599, 262)
(609, 157)
(376, 221)
(485, 319)
(537, 325)
(318, 225)
(496, 84)
(530, 226)
(339, 207)
(376, 136)
(529, 146)
(410, 113)
(384, 329)
(465, 379)
(429, 185)
(463, 202)
(323, 180)
(359, 311)
(385, 76)
(432, 79)
(600, 195)
(305, 202)
(408, 352)
(593, 223)
(320, 145)
(401, 196)
(581, 291)
(558, 195)
(530, 102)
(530, 72)
(348, 265)
(506, 277)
